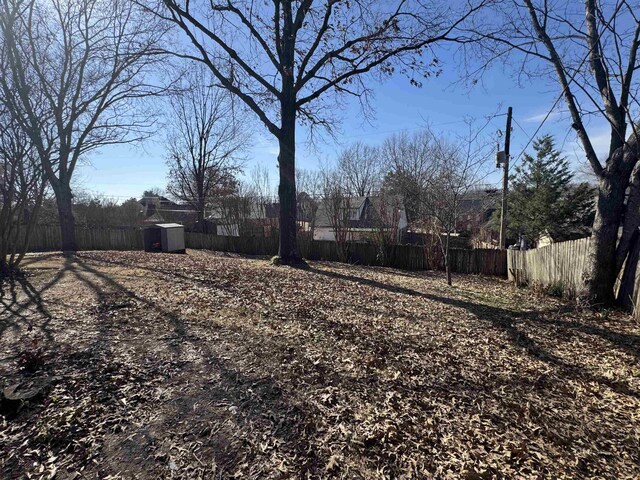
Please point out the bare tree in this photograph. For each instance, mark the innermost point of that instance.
(591, 50)
(409, 163)
(361, 168)
(263, 199)
(283, 58)
(336, 207)
(206, 144)
(309, 193)
(22, 187)
(235, 211)
(386, 212)
(73, 74)
(457, 167)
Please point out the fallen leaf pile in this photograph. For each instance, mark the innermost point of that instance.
(214, 366)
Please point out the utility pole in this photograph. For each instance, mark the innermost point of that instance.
(505, 181)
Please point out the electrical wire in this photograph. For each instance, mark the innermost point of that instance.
(546, 117)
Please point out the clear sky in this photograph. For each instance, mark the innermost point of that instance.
(126, 171)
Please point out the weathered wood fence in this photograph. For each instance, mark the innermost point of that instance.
(47, 238)
(560, 267)
(407, 257)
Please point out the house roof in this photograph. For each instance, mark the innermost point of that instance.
(256, 210)
(155, 218)
(360, 216)
(355, 205)
(153, 200)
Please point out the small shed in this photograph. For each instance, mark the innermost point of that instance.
(164, 237)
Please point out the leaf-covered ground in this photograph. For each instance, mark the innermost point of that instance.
(208, 366)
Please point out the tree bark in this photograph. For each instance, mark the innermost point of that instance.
(601, 269)
(288, 247)
(631, 220)
(626, 293)
(604, 260)
(64, 201)
(447, 263)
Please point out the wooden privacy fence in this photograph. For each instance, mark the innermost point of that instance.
(560, 266)
(408, 257)
(47, 238)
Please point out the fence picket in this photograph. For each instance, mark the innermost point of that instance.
(561, 265)
(410, 257)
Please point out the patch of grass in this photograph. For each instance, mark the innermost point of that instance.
(276, 260)
(556, 289)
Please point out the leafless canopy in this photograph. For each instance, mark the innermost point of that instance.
(73, 72)
(410, 161)
(73, 69)
(590, 48)
(260, 49)
(361, 168)
(206, 142)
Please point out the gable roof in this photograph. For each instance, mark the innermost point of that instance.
(361, 211)
(155, 218)
(153, 200)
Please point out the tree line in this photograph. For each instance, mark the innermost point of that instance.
(78, 75)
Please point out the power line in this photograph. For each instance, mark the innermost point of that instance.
(546, 117)
(422, 127)
(520, 127)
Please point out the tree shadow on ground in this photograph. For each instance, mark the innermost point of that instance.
(211, 380)
(221, 404)
(505, 320)
(499, 317)
(17, 310)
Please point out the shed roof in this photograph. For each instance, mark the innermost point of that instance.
(169, 225)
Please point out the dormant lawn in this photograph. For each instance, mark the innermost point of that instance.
(211, 366)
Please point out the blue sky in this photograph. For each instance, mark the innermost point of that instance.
(126, 171)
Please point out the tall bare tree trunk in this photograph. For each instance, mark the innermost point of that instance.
(606, 257)
(288, 247)
(601, 271)
(64, 201)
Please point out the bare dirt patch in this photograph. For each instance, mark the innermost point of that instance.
(209, 366)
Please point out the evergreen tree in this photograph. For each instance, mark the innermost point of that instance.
(544, 199)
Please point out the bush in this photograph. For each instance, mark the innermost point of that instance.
(556, 289)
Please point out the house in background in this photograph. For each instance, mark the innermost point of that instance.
(245, 216)
(159, 209)
(472, 229)
(366, 216)
(477, 207)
